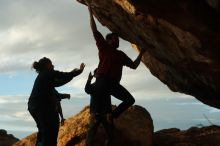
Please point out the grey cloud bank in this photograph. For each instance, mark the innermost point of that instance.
(33, 29)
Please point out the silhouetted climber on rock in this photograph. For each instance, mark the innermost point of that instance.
(42, 103)
(100, 108)
(61, 96)
(111, 62)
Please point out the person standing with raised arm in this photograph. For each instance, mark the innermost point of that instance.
(109, 71)
(100, 108)
(42, 103)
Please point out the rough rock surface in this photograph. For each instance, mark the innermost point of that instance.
(133, 128)
(7, 139)
(181, 37)
(206, 136)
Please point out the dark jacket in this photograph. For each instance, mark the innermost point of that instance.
(43, 96)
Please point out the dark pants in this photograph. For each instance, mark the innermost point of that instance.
(108, 86)
(48, 127)
(95, 121)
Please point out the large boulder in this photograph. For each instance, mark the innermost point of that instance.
(181, 38)
(7, 139)
(133, 128)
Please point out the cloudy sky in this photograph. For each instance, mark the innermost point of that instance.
(59, 29)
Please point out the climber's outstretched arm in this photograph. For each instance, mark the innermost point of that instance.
(138, 59)
(92, 21)
(100, 41)
(134, 64)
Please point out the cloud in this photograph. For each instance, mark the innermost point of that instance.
(64, 35)
(189, 103)
(11, 99)
(14, 114)
(24, 115)
(43, 29)
(213, 110)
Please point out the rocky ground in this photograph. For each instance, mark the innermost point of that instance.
(133, 128)
(206, 136)
(6, 139)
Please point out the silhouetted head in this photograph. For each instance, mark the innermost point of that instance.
(43, 64)
(113, 40)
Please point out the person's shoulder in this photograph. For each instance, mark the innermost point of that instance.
(54, 72)
(44, 73)
(121, 53)
(50, 73)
